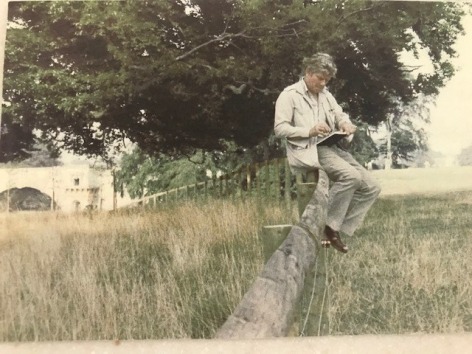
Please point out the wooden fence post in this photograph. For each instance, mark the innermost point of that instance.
(267, 308)
(240, 181)
(287, 186)
(306, 189)
(277, 179)
(233, 182)
(227, 189)
(267, 180)
(248, 179)
(258, 171)
(267, 184)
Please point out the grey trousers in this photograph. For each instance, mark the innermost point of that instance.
(353, 190)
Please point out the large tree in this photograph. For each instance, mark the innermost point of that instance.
(179, 75)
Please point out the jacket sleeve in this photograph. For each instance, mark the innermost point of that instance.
(340, 117)
(284, 126)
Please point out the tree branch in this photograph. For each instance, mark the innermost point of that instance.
(342, 18)
(245, 86)
(413, 68)
(216, 39)
(225, 36)
(236, 90)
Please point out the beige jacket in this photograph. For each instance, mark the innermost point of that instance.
(294, 117)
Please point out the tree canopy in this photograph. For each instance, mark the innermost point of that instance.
(178, 75)
(144, 175)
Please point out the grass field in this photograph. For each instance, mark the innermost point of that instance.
(424, 180)
(408, 270)
(179, 272)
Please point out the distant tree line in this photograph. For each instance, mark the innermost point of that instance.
(465, 156)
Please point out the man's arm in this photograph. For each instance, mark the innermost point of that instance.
(283, 122)
(348, 128)
(283, 125)
(341, 118)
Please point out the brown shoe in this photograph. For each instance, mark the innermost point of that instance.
(335, 239)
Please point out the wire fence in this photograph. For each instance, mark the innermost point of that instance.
(271, 179)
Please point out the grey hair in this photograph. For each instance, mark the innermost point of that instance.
(319, 63)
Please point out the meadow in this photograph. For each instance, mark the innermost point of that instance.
(179, 271)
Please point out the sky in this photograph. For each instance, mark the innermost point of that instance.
(451, 118)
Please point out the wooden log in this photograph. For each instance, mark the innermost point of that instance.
(314, 214)
(305, 190)
(272, 237)
(267, 308)
(314, 318)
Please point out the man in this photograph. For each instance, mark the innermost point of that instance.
(306, 111)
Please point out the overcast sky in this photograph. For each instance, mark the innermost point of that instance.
(451, 119)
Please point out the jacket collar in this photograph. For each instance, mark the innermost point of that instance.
(301, 88)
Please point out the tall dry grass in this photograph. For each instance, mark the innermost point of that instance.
(409, 268)
(179, 272)
(174, 273)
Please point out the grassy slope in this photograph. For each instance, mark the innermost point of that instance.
(409, 268)
(180, 272)
(173, 274)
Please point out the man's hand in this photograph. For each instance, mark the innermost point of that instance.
(320, 129)
(348, 128)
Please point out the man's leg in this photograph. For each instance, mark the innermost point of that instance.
(346, 180)
(361, 202)
(353, 185)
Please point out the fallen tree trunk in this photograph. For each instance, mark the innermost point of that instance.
(267, 308)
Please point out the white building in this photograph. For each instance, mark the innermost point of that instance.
(72, 188)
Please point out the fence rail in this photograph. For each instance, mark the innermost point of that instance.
(269, 179)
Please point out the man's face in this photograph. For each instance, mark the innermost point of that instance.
(315, 82)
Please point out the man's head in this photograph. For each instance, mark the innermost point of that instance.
(318, 70)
